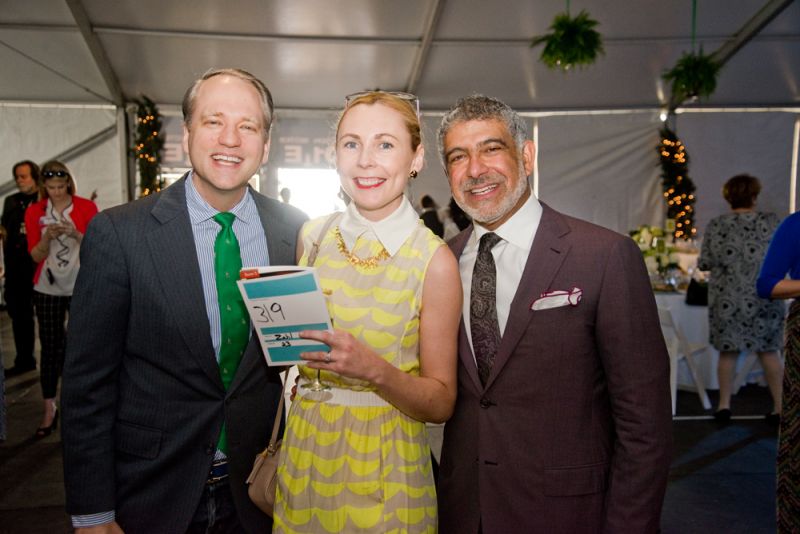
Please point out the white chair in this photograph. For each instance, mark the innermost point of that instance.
(679, 348)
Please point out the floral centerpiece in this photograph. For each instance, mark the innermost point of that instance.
(658, 248)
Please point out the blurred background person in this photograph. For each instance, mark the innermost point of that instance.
(783, 257)
(19, 267)
(55, 226)
(455, 220)
(430, 216)
(733, 248)
(458, 215)
(286, 195)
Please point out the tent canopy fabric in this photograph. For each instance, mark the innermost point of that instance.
(314, 52)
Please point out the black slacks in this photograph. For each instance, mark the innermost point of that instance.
(19, 302)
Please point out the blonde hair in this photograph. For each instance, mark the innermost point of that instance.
(55, 166)
(404, 107)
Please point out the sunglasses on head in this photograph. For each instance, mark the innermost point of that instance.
(51, 174)
(408, 97)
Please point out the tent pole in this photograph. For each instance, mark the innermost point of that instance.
(123, 138)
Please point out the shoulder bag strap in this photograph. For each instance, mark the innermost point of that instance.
(312, 255)
(273, 440)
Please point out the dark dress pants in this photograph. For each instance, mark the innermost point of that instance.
(19, 302)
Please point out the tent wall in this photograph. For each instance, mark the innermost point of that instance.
(721, 145)
(602, 167)
(41, 132)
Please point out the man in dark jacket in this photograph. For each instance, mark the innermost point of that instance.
(20, 266)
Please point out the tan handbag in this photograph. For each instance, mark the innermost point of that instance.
(263, 480)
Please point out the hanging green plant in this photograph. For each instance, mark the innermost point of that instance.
(693, 76)
(148, 144)
(573, 41)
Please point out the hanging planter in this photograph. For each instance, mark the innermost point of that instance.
(693, 76)
(573, 41)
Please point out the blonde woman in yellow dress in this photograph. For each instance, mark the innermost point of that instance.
(355, 457)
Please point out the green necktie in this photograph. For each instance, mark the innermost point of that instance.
(234, 322)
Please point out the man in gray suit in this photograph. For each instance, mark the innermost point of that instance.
(562, 423)
(143, 397)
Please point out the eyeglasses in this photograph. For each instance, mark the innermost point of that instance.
(408, 97)
(59, 174)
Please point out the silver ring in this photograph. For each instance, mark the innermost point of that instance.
(328, 358)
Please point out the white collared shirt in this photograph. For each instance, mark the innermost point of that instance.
(392, 231)
(510, 256)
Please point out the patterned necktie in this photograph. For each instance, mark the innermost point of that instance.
(483, 323)
(234, 322)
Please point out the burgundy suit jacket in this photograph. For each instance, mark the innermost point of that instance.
(572, 432)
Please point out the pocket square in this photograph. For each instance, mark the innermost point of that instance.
(555, 299)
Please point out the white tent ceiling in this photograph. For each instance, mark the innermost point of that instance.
(312, 52)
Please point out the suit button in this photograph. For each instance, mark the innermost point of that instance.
(486, 403)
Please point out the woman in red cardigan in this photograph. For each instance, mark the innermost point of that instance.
(55, 226)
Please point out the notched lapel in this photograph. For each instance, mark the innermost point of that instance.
(547, 254)
(174, 256)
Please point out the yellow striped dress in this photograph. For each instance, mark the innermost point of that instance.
(351, 462)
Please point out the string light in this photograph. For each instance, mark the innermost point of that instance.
(678, 187)
(148, 145)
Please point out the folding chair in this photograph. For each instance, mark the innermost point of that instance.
(680, 348)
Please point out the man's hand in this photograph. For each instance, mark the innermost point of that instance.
(105, 528)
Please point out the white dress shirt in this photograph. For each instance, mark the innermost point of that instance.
(510, 256)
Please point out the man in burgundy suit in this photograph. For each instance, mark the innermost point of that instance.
(563, 418)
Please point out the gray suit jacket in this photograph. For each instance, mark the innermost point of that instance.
(572, 432)
(142, 398)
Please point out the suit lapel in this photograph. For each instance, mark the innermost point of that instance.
(544, 260)
(457, 245)
(174, 254)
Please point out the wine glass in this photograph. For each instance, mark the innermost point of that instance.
(316, 384)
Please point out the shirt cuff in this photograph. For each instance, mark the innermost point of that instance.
(92, 520)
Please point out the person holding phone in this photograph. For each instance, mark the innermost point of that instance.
(55, 226)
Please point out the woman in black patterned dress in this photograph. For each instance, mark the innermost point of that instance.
(739, 320)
